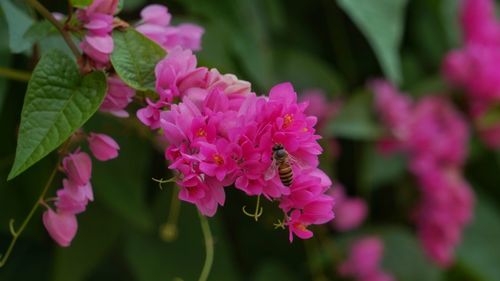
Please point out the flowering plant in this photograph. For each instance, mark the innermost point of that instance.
(140, 119)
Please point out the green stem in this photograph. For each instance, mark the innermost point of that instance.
(168, 231)
(14, 74)
(46, 14)
(16, 234)
(209, 248)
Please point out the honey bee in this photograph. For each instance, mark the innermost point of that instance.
(282, 162)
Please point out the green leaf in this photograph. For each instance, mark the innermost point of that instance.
(355, 120)
(18, 23)
(58, 101)
(98, 231)
(306, 71)
(38, 31)
(81, 3)
(480, 249)
(272, 270)
(403, 257)
(382, 23)
(379, 169)
(134, 58)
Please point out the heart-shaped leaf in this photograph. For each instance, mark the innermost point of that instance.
(134, 58)
(382, 23)
(58, 101)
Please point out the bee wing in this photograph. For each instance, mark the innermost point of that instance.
(271, 171)
(296, 162)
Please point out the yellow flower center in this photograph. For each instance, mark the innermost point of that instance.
(201, 133)
(218, 159)
(287, 120)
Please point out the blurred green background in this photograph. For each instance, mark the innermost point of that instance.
(331, 45)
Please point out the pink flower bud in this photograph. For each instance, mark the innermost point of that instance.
(73, 199)
(78, 167)
(62, 227)
(103, 6)
(103, 147)
(156, 14)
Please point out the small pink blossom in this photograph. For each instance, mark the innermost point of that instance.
(103, 147)
(102, 7)
(350, 212)
(118, 96)
(156, 14)
(155, 25)
(78, 167)
(363, 263)
(73, 199)
(62, 227)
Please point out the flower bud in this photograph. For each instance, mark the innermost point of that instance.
(103, 147)
(62, 227)
(78, 167)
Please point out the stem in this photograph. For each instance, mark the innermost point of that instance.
(14, 74)
(39, 201)
(16, 234)
(168, 231)
(46, 14)
(209, 248)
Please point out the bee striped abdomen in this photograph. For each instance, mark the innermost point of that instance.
(286, 173)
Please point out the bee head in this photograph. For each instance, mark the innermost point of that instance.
(280, 153)
(277, 147)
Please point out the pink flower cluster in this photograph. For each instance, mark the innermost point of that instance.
(435, 137)
(474, 67)
(76, 193)
(350, 211)
(221, 134)
(363, 264)
(97, 19)
(155, 24)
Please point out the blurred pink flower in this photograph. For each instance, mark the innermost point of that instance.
(62, 227)
(436, 140)
(474, 66)
(103, 147)
(350, 212)
(363, 263)
(155, 25)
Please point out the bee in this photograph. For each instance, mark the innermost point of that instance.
(282, 162)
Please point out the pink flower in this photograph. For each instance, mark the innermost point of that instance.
(150, 115)
(218, 160)
(365, 256)
(62, 227)
(436, 142)
(78, 167)
(172, 69)
(478, 22)
(73, 199)
(156, 14)
(393, 106)
(102, 7)
(117, 98)
(298, 227)
(103, 147)
(98, 48)
(155, 25)
(350, 212)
